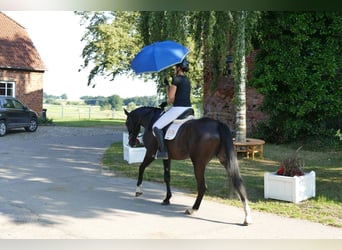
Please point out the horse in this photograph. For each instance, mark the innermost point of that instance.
(198, 139)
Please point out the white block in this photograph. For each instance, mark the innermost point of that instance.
(132, 155)
(294, 189)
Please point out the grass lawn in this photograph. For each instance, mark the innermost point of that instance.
(90, 123)
(325, 208)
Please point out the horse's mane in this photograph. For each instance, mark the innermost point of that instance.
(151, 113)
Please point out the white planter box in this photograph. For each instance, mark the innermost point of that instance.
(132, 155)
(294, 189)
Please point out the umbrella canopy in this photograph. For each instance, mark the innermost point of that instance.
(158, 56)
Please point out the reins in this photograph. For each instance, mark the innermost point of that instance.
(147, 114)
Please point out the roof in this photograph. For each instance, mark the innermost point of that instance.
(17, 50)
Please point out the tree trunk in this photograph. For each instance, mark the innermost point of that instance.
(240, 92)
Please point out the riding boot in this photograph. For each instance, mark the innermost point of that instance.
(162, 152)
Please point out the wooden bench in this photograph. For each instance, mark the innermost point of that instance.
(250, 147)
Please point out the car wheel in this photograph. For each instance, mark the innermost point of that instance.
(3, 128)
(33, 125)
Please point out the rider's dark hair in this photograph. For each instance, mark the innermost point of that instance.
(184, 65)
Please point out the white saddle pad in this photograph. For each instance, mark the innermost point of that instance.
(173, 129)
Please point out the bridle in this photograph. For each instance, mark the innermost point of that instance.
(133, 134)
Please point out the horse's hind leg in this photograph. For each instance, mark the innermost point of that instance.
(240, 188)
(234, 174)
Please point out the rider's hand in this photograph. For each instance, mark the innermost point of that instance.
(163, 105)
(166, 82)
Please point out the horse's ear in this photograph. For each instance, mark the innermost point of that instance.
(126, 112)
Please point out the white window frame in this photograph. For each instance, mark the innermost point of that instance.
(7, 83)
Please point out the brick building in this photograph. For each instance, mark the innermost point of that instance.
(21, 68)
(218, 104)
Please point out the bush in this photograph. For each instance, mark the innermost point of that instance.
(46, 121)
(298, 70)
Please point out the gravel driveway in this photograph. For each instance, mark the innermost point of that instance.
(52, 186)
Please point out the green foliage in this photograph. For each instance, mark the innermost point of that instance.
(91, 123)
(111, 42)
(110, 102)
(131, 106)
(298, 70)
(142, 100)
(95, 100)
(47, 121)
(339, 134)
(52, 99)
(113, 38)
(210, 33)
(163, 25)
(115, 102)
(156, 26)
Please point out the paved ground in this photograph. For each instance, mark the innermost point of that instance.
(52, 186)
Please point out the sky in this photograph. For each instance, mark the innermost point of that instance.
(57, 37)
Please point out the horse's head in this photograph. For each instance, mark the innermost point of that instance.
(142, 116)
(133, 128)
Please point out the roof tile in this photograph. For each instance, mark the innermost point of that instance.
(17, 50)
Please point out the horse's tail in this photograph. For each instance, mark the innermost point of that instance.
(229, 159)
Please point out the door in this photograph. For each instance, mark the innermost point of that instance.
(21, 113)
(17, 115)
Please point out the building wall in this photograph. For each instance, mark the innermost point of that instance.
(219, 105)
(28, 87)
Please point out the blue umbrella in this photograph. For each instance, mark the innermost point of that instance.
(158, 56)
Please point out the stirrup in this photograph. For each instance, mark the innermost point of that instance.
(161, 155)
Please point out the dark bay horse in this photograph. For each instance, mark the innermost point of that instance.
(197, 139)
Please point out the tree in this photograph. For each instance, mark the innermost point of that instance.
(131, 106)
(211, 35)
(215, 34)
(115, 101)
(298, 70)
(241, 78)
(111, 41)
(218, 34)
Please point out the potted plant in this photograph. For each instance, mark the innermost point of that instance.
(290, 182)
(291, 166)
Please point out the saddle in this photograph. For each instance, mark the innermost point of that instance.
(172, 129)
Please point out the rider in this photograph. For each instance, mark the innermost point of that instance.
(178, 94)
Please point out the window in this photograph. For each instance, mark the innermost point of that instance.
(8, 104)
(17, 104)
(7, 89)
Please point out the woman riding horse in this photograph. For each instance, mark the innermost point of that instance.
(197, 139)
(178, 94)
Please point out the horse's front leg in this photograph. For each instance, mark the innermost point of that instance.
(201, 187)
(167, 178)
(147, 160)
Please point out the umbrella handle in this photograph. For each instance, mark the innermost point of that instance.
(163, 105)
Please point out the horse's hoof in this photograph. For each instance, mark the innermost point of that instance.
(190, 211)
(165, 203)
(137, 194)
(246, 223)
